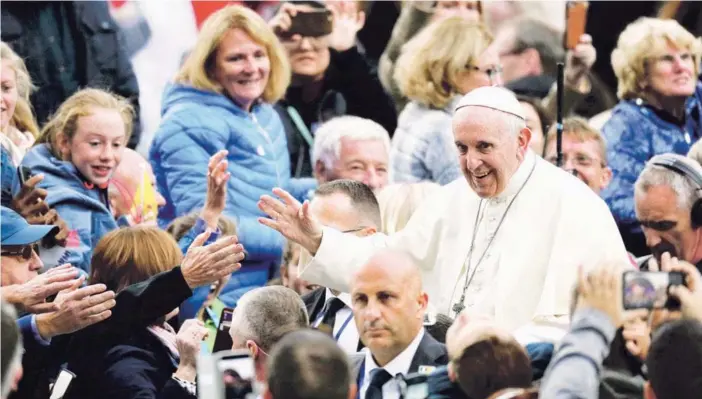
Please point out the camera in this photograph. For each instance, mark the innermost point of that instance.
(649, 290)
(226, 375)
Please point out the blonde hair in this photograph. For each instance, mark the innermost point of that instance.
(180, 226)
(580, 130)
(398, 202)
(641, 40)
(197, 69)
(429, 65)
(82, 103)
(133, 254)
(23, 117)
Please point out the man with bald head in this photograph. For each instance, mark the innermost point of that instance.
(506, 241)
(388, 308)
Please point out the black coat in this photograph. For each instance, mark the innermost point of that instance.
(88, 52)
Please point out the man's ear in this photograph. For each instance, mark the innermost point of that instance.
(320, 171)
(284, 275)
(606, 177)
(423, 302)
(523, 140)
(367, 231)
(253, 349)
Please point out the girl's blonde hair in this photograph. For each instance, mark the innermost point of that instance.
(639, 42)
(131, 255)
(198, 68)
(398, 202)
(23, 118)
(82, 103)
(429, 65)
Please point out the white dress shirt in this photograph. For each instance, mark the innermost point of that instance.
(399, 365)
(345, 332)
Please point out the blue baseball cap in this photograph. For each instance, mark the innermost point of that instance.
(16, 231)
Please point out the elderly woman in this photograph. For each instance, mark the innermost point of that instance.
(446, 60)
(221, 100)
(152, 362)
(657, 63)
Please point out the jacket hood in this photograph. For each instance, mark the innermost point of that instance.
(61, 178)
(176, 94)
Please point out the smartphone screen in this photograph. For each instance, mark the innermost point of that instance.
(25, 174)
(223, 341)
(312, 23)
(649, 290)
(576, 18)
(238, 375)
(61, 385)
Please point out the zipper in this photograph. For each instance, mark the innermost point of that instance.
(265, 135)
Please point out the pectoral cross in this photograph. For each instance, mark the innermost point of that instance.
(458, 307)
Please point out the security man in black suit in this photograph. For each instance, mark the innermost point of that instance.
(388, 307)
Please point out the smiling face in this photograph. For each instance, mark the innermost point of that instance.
(583, 159)
(241, 67)
(489, 152)
(365, 161)
(97, 145)
(8, 82)
(487, 74)
(672, 74)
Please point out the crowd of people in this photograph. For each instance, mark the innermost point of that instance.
(416, 225)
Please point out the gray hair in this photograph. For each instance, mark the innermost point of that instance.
(655, 175)
(11, 347)
(532, 33)
(327, 139)
(268, 313)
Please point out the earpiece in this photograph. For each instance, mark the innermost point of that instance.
(683, 169)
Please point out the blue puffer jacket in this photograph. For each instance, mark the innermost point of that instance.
(86, 211)
(634, 134)
(196, 124)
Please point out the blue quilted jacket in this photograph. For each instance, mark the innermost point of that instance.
(634, 134)
(195, 125)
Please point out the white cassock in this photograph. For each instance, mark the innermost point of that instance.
(527, 274)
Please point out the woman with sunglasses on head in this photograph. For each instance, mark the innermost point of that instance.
(77, 152)
(448, 59)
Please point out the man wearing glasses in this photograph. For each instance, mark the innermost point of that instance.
(584, 153)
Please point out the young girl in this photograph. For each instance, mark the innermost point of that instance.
(77, 151)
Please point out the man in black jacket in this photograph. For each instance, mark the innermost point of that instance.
(329, 79)
(69, 45)
(388, 307)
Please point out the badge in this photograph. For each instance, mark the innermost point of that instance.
(426, 370)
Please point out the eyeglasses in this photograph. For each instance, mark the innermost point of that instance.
(579, 160)
(493, 72)
(25, 251)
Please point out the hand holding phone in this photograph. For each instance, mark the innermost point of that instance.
(576, 19)
(688, 294)
(649, 290)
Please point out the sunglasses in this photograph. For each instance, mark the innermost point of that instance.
(26, 251)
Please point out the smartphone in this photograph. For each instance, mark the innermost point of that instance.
(311, 23)
(228, 374)
(63, 381)
(576, 19)
(25, 174)
(223, 341)
(649, 290)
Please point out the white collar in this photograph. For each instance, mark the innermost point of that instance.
(518, 178)
(400, 364)
(345, 297)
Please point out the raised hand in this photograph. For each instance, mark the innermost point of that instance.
(282, 21)
(29, 202)
(292, 219)
(579, 61)
(347, 23)
(31, 296)
(206, 265)
(77, 308)
(690, 294)
(217, 179)
(601, 289)
(188, 341)
(52, 218)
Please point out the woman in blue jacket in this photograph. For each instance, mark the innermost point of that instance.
(657, 63)
(221, 100)
(77, 152)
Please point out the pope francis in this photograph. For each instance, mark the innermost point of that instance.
(506, 241)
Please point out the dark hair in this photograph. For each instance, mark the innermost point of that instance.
(674, 360)
(361, 196)
(530, 33)
(9, 342)
(492, 364)
(438, 330)
(308, 364)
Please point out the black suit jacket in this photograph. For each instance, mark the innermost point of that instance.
(314, 302)
(430, 352)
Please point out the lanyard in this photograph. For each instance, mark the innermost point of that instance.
(343, 325)
(361, 377)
